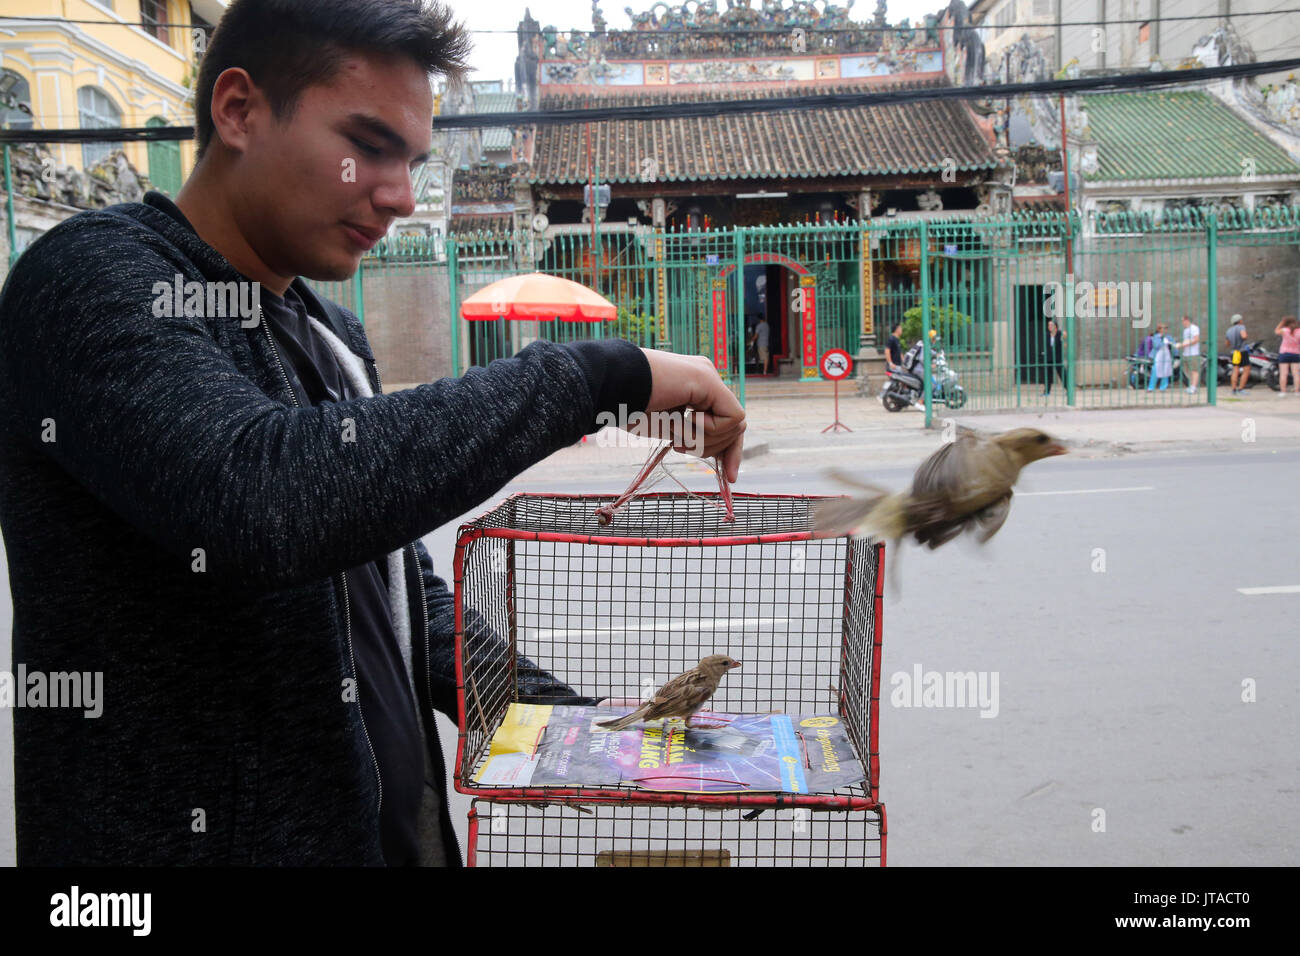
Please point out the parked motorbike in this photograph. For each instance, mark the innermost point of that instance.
(1139, 369)
(1263, 366)
(905, 388)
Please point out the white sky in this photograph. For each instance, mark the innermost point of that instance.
(494, 53)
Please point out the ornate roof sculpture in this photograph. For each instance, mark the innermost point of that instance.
(751, 49)
(698, 28)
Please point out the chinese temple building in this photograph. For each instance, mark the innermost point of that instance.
(666, 188)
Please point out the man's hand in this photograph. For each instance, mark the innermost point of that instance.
(690, 382)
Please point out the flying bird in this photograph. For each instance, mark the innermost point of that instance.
(680, 697)
(965, 485)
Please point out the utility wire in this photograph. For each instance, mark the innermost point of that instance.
(723, 31)
(1129, 82)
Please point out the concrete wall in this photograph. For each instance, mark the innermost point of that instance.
(1271, 33)
(1258, 276)
(408, 322)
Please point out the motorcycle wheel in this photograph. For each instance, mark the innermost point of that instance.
(957, 398)
(1136, 379)
(892, 402)
(1273, 377)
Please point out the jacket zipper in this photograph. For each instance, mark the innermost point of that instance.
(424, 603)
(343, 579)
(430, 717)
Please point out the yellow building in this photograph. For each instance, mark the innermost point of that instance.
(103, 63)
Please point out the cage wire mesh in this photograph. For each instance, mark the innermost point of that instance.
(511, 834)
(616, 610)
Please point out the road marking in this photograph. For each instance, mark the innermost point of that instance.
(892, 446)
(1279, 589)
(652, 626)
(1085, 491)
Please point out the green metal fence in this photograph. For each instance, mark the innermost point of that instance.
(987, 286)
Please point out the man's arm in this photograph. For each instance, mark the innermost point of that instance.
(534, 683)
(155, 419)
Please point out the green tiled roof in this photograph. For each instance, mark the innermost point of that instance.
(494, 102)
(496, 137)
(1182, 135)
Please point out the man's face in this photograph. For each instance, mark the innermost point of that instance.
(319, 190)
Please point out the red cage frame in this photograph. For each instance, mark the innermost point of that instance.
(871, 760)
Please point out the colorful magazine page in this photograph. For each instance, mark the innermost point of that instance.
(563, 746)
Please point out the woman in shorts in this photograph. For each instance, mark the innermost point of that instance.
(1288, 357)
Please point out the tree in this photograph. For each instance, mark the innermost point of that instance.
(944, 319)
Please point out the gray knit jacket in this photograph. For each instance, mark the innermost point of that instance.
(175, 519)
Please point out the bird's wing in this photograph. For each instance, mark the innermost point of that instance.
(992, 518)
(953, 485)
(679, 695)
(946, 471)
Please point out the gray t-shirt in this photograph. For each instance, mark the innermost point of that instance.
(1237, 337)
(763, 333)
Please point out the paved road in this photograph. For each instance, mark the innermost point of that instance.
(1119, 691)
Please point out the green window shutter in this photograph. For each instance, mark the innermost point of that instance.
(164, 163)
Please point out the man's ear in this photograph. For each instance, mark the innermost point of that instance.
(234, 96)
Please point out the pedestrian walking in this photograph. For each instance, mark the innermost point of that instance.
(1054, 350)
(1288, 354)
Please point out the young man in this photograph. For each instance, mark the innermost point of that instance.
(220, 514)
(1191, 353)
(1236, 336)
(894, 349)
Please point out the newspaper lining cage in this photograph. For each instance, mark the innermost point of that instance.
(786, 769)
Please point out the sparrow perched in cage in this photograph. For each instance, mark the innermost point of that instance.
(680, 697)
(964, 485)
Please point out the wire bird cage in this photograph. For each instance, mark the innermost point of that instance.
(782, 767)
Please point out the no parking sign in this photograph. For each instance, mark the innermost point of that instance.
(836, 364)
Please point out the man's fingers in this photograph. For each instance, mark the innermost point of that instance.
(730, 460)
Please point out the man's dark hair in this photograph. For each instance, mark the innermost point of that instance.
(289, 45)
(897, 326)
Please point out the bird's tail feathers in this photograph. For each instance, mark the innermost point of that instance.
(619, 723)
(881, 515)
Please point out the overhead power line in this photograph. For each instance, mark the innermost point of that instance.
(1128, 82)
(730, 31)
(889, 97)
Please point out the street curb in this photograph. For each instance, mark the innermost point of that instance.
(755, 449)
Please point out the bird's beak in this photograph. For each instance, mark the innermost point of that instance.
(1056, 448)
(735, 663)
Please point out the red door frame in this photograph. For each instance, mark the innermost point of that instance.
(808, 317)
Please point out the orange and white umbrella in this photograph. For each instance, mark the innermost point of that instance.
(538, 297)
